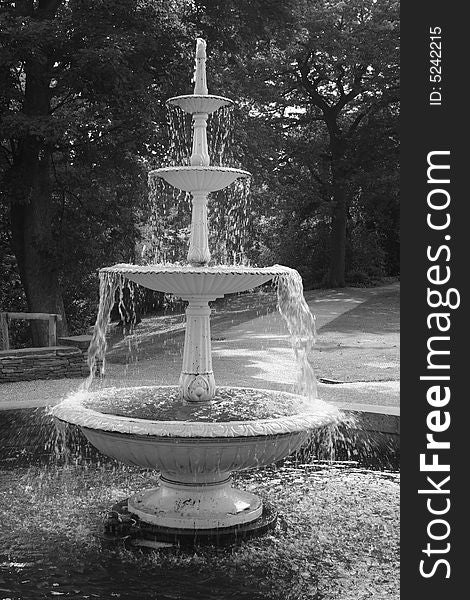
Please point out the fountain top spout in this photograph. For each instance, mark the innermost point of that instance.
(200, 48)
(200, 102)
(200, 81)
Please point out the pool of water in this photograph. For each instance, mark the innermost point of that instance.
(164, 404)
(336, 537)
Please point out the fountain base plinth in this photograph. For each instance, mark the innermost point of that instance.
(201, 505)
(122, 527)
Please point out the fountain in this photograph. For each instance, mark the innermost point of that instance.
(196, 434)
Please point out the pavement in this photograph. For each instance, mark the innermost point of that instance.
(356, 358)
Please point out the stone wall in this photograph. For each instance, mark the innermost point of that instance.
(54, 362)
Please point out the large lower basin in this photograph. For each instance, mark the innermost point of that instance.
(199, 179)
(195, 457)
(186, 281)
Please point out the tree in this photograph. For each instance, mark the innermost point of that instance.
(343, 68)
(329, 74)
(80, 104)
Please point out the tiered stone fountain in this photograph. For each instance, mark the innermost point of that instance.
(196, 434)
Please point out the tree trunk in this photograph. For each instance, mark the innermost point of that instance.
(336, 270)
(34, 248)
(31, 209)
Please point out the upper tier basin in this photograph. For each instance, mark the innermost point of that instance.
(199, 104)
(190, 281)
(199, 179)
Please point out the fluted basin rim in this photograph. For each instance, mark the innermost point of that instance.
(211, 98)
(159, 172)
(199, 178)
(71, 410)
(193, 270)
(203, 96)
(197, 281)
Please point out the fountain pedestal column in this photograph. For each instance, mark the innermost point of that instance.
(197, 383)
(198, 253)
(200, 153)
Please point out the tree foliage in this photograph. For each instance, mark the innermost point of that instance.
(82, 94)
(82, 119)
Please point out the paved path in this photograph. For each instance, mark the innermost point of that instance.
(254, 351)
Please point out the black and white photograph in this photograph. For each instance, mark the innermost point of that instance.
(208, 210)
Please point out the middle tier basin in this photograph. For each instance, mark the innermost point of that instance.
(199, 179)
(188, 281)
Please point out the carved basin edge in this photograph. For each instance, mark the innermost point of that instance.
(174, 99)
(204, 270)
(193, 440)
(72, 411)
(195, 169)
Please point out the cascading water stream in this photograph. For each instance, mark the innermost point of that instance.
(301, 325)
(290, 302)
(109, 284)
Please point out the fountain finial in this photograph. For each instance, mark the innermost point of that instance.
(200, 81)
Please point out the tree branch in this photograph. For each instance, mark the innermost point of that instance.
(310, 88)
(374, 107)
(62, 102)
(356, 89)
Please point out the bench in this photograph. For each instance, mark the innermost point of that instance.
(6, 317)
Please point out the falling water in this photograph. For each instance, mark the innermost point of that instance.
(300, 322)
(165, 235)
(167, 231)
(301, 325)
(291, 304)
(220, 133)
(110, 283)
(228, 223)
(220, 130)
(179, 135)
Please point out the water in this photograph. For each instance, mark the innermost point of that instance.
(291, 304)
(50, 547)
(220, 135)
(110, 283)
(229, 223)
(163, 403)
(167, 231)
(52, 515)
(179, 134)
(301, 325)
